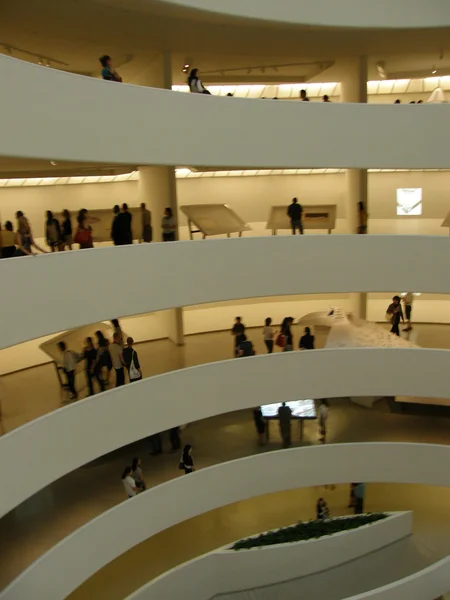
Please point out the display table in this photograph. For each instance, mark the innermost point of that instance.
(319, 216)
(302, 410)
(213, 219)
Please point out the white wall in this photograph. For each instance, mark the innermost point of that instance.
(153, 126)
(346, 13)
(140, 278)
(114, 532)
(227, 571)
(49, 447)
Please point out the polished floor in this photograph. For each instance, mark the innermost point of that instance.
(50, 515)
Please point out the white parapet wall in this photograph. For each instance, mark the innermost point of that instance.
(121, 528)
(226, 571)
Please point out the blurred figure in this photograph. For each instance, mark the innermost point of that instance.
(168, 226)
(420, 102)
(195, 84)
(268, 335)
(284, 415)
(52, 232)
(322, 510)
(307, 340)
(83, 234)
(407, 302)
(174, 436)
(295, 213)
(103, 359)
(325, 99)
(238, 331)
(115, 226)
(323, 417)
(395, 314)
(131, 360)
(303, 96)
(362, 218)
(108, 72)
(187, 462)
(245, 347)
(24, 237)
(287, 333)
(126, 219)
(146, 224)
(136, 474)
(66, 232)
(90, 356)
(359, 493)
(398, 101)
(70, 360)
(8, 241)
(260, 425)
(118, 363)
(117, 329)
(129, 484)
(155, 444)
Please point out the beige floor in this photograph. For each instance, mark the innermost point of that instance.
(53, 513)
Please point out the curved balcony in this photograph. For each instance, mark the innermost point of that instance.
(131, 522)
(210, 271)
(108, 421)
(55, 115)
(383, 14)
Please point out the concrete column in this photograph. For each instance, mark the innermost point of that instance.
(354, 89)
(157, 188)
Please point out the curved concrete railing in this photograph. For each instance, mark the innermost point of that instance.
(108, 421)
(226, 571)
(156, 127)
(427, 584)
(209, 271)
(114, 532)
(401, 14)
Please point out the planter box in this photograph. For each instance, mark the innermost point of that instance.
(226, 571)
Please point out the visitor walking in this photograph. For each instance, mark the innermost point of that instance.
(323, 416)
(286, 332)
(8, 238)
(407, 302)
(238, 331)
(108, 72)
(268, 335)
(322, 510)
(66, 231)
(168, 226)
(118, 363)
(195, 83)
(146, 224)
(260, 425)
(115, 226)
(359, 493)
(307, 340)
(129, 484)
(136, 473)
(125, 220)
(90, 356)
(52, 232)
(70, 360)
(83, 234)
(131, 361)
(174, 437)
(395, 314)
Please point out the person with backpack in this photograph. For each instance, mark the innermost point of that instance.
(245, 348)
(131, 361)
(70, 360)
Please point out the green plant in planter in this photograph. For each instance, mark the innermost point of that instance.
(308, 530)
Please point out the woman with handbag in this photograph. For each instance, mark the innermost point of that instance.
(83, 235)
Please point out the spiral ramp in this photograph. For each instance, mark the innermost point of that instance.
(57, 115)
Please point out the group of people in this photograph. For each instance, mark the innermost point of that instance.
(133, 478)
(59, 234)
(394, 313)
(284, 339)
(104, 356)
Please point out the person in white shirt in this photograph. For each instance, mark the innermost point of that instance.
(70, 360)
(129, 484)
(407, 301)
(268, 335)
(323, 416)
(195, 83)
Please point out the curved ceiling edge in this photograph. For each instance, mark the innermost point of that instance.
(210, 271)
(131, 522)
(188, 398)
(154, 126)
(383, 14)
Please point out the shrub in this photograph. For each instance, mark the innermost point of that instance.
(308, 530)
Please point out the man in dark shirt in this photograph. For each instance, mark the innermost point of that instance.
(125, 219)
(238, 332)
(115, 231)
(245, 347)
(285, 414)
(303, 96)
(395, 310)
(295, 212)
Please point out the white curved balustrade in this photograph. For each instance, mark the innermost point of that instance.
(131, 522)
(151, 126)
(401, 14)
(57, 443)
(208, 271)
